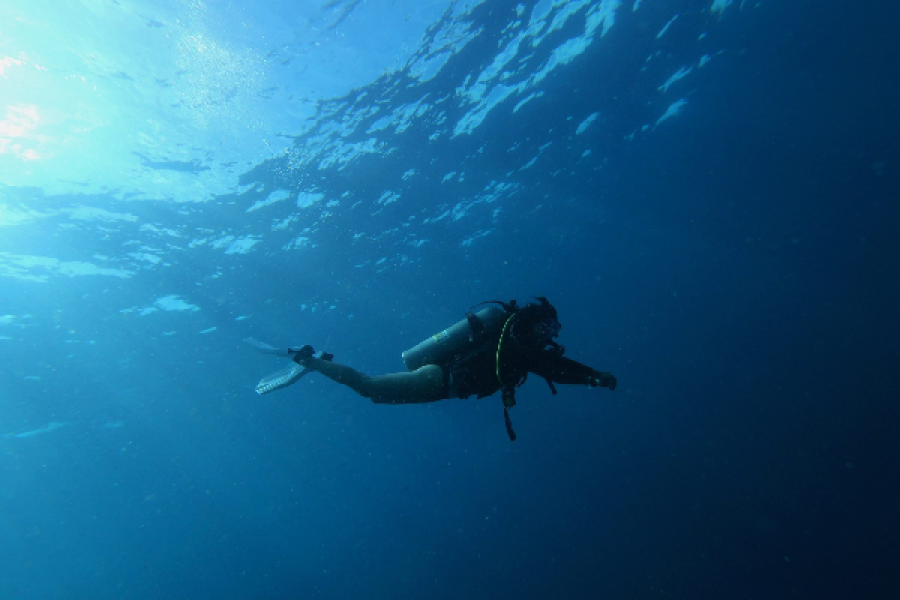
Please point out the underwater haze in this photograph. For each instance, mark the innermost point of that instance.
(708, 191)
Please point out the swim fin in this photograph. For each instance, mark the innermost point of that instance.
(289, 375)
(265, 348)
(280, 379)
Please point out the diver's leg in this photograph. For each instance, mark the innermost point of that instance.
(425, 384)
(422, 385)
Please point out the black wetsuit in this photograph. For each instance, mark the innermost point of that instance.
(477, 374)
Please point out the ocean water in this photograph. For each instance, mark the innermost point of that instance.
(706, 190)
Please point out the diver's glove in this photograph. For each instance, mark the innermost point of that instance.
(603, 379)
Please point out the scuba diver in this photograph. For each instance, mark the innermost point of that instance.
(491, 350)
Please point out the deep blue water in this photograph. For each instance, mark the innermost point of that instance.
(724, 242)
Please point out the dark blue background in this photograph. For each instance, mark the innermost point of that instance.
(736, 269)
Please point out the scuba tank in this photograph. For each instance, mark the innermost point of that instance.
(457, 340)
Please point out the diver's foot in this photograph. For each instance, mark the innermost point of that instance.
(300, 356)
(321, 355)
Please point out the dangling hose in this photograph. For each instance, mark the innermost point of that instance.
(499, 346)
(508, 392)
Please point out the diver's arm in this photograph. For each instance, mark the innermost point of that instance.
(559, 369)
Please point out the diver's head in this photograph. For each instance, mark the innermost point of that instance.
(543, 332)
(537, 324)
